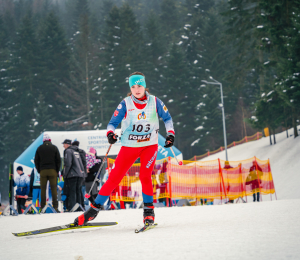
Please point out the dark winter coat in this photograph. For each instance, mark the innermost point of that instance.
(47, 156)
(83, 159)
(92, 172)
(73, 163)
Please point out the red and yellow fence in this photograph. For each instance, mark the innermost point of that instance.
(215, 179)
(246, 139)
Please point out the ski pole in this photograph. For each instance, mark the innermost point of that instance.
(175, 157)
(88, 195)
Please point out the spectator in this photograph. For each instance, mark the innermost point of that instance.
(254, 181)
(35, 187)
(22, 183)
(93, 166)
(47, 162)
(83, 159)
(73, 173)
(226, 167)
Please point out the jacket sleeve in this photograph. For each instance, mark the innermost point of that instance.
(27, 180)
(163, 112)
(37, 160)
(57, 159)
(15, 182)
(67, 162)
(117, 117)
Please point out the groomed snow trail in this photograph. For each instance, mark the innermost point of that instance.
(265, 230)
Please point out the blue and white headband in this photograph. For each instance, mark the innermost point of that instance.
(137, 80)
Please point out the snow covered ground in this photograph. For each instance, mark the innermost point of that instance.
(268, 230)
(284, 159)
(265, 230)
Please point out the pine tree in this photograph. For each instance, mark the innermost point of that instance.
(56, 90)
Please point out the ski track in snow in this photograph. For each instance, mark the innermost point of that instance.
(265, 230)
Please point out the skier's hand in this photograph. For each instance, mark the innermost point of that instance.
(112, 138)
(25, 197)
(169, 141)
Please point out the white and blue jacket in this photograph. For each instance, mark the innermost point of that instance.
(22, 182)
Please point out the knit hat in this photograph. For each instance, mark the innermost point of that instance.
(46, 137)
(75, 143)
(137, 80)
(92, 150)
(20, 168)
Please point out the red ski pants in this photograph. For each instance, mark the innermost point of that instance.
(126, 157)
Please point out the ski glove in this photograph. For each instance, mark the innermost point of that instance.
(112, 138)
(169, 141)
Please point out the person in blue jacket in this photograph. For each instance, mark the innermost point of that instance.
(35, 187)
(22, 182)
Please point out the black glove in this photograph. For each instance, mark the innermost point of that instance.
(169, 141)
(112, 138)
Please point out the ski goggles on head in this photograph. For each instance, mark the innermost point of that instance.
(137, 80)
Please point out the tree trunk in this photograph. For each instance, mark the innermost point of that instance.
(287, 133)
(101, 103)
(295, 131)
(274, 138)
(295, 124)
(270, 137)
(261, 73)
(87, 88)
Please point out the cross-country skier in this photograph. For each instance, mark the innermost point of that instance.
(139, 113)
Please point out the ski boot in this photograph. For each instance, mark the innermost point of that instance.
(89, 215)
(148, 214)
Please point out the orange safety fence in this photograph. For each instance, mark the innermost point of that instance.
(216, 179)
(246, 139)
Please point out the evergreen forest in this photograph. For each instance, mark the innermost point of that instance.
(64, 65)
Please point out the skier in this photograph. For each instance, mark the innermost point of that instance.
(139, 113)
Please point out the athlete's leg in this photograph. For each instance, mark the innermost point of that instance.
(148, 158)
(125, 159)
(123, 162)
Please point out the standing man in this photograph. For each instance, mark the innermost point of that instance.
(47, 162)
(22, 183)
(73, 173)
(83, 160)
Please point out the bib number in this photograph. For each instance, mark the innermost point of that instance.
(140, 128)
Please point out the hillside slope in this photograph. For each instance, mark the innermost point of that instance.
(284, 159)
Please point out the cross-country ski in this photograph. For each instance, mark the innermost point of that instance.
(64, 228)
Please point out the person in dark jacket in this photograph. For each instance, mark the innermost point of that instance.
(22, 183)
(93, 165)
(47, 162)
(35, 187)
(83, 159)
(73, 173)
